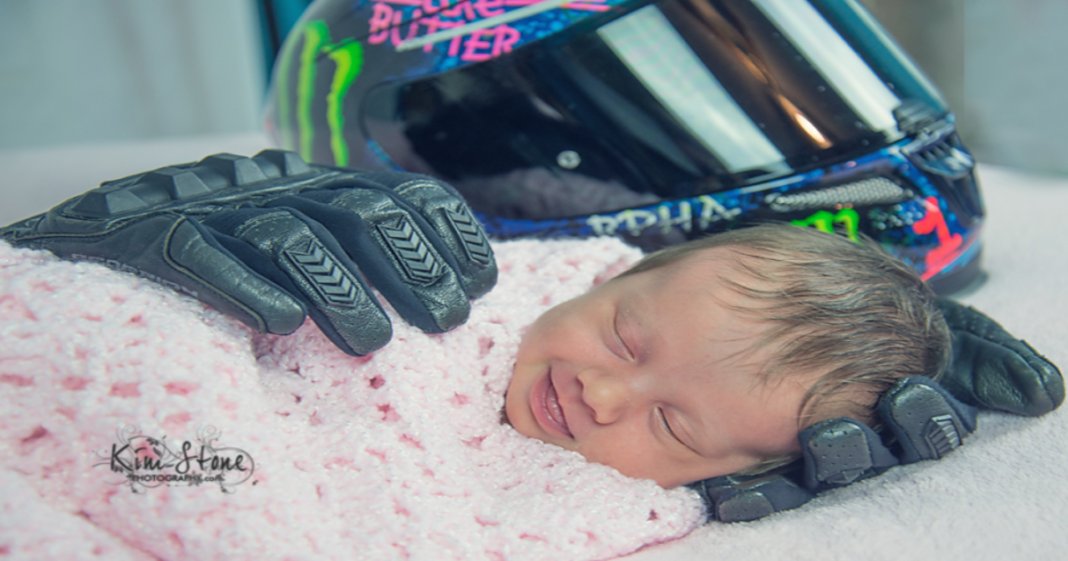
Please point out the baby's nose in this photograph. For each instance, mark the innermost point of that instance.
(608, 395)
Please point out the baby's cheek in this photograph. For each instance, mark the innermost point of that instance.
(633, 459)
(515, 413)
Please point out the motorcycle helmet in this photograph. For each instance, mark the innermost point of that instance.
(653, 120)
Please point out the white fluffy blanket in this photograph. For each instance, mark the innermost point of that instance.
(393, 456)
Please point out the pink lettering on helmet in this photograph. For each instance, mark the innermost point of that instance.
(477, 48)
(399, 21)
(505, 38)
(381, 19)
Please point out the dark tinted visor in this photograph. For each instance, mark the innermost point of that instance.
(670, 99)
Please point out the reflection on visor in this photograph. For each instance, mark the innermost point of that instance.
(673, 99)
(647, 44)
(838, 63)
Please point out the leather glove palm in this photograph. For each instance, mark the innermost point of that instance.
(271, 239)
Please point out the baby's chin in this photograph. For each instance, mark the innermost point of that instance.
(516, 419)
(506, 419)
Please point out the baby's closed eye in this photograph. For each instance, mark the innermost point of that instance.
(622, 340)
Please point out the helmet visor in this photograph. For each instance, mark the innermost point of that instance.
(669, 99)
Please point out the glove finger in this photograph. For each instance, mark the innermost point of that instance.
(181, 254)
(738, 499)
(303, 258)
(925, 419)
(839, 451)
(224, 282)
(461, 236)
(1003, 377)
(994, 370)
(395, 250)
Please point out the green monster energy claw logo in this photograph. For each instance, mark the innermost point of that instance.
(825, 221)
(347, 56)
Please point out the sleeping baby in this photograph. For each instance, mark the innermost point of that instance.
(709, 358)
(709, 364)
(740, 352)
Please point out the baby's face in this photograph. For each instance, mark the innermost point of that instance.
(650, 375)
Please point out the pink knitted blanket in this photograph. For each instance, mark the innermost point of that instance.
(139, 424)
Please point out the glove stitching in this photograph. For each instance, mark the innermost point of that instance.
(266, 218)
(108, 231)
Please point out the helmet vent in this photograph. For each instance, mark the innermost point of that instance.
(871, 191)
(945, 156)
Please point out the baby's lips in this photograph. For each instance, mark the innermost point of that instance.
(546, 408)
(577, 415)
(555, 408)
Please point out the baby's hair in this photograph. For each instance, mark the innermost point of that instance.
(848, 310)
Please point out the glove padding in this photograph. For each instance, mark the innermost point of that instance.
(923, 420)
(271, 239)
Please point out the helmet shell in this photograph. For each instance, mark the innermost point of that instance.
(656, 121)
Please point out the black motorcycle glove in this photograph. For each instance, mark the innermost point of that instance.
(271, 239)
(922, 420)
(991, 369)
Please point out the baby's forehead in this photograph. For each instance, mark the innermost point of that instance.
(722, 264)
(715, 284)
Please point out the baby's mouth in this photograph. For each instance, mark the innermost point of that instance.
(552, 403)
(547, 409)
